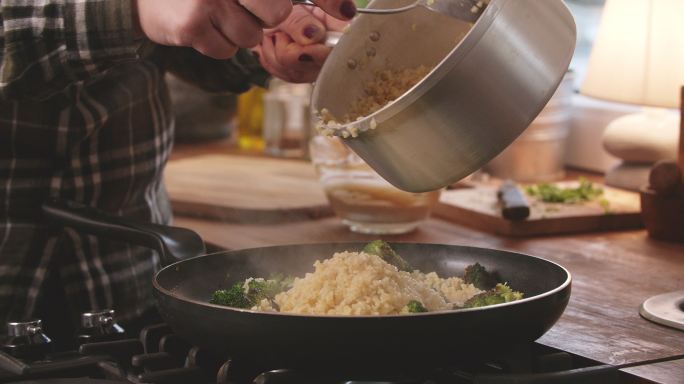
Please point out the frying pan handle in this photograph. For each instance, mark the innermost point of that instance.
(172, 243)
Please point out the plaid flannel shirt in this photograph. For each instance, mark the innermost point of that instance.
(85, 116)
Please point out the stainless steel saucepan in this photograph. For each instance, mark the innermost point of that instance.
(466, 10)
(490, 80)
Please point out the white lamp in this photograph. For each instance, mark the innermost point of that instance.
(638, 58)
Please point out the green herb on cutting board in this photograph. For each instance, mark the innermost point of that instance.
(551, 193)
(605, 204)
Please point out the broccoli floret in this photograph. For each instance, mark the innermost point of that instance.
(256, 289)
(382, 249)
(415, 306)
(248, 293)
(231, 297)
(259, 289)
(502, 293)
(279, 283)
(478, 276)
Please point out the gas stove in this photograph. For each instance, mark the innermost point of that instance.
(105, 353)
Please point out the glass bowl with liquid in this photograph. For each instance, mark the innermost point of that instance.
(364, 201)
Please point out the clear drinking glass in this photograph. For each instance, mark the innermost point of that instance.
(360, 197)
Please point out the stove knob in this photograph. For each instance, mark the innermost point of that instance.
(99, 326)
(28, 328)
(98, 319)
(26, 340)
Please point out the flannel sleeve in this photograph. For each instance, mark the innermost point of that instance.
(235, 75)
(48, 44)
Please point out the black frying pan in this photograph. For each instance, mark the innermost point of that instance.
(183, 288)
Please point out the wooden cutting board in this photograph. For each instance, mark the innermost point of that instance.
(478, 207)
(245, 189)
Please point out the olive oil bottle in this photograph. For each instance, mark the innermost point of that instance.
(251, 120)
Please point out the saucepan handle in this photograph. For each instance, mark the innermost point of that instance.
(332, 38)
(172, 243)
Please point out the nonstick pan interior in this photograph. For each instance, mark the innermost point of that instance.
(183, 290)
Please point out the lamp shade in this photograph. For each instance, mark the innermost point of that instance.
(638, 56)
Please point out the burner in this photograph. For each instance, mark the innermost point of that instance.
(99, 326)
(26, 340)
(158, 356)
(68, 381)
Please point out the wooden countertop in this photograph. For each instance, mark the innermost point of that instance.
(613, 273)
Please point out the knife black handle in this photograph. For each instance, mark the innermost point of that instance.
(514, 205)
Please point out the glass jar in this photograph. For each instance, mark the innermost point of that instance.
(360, 197)
(287, 119)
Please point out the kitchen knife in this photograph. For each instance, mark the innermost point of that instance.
(514, 205)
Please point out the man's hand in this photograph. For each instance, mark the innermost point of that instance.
(295, 51)
(217, 28)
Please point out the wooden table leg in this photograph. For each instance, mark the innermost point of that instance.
(681, 135)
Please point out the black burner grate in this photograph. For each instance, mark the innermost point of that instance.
(160, 357)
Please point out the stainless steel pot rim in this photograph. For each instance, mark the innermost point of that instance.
(451, 60)
(170, 293)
